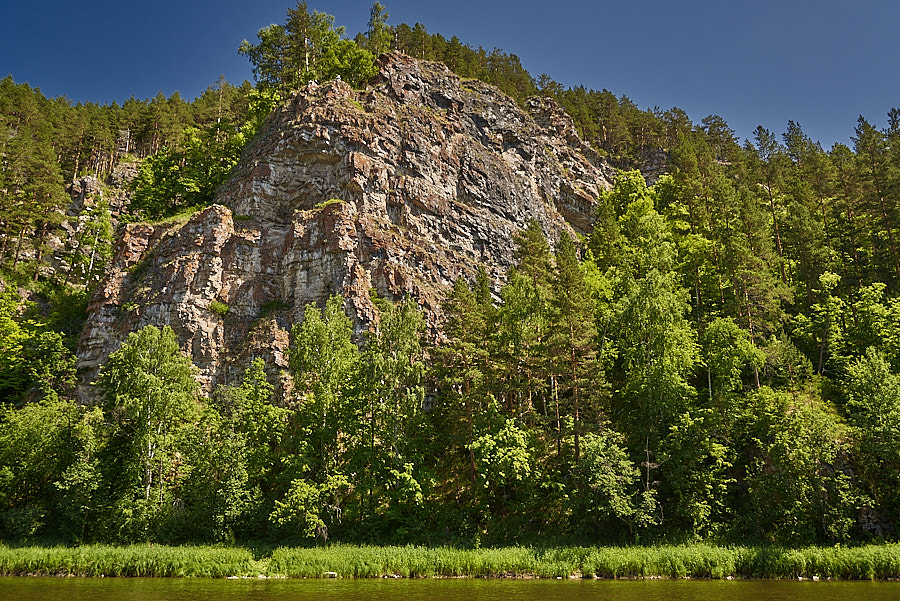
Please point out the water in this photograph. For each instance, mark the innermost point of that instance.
(139, 589)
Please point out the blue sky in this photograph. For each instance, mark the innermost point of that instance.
(821, 63)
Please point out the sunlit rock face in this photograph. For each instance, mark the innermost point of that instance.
(401, 188)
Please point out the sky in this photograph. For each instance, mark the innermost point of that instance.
(821, 63)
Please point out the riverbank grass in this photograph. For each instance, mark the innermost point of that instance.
(877, 562)
(134, 560)
(874, 562)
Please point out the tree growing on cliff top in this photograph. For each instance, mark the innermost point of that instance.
(380, 35)
(306, 47)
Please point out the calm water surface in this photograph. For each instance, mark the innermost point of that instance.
(136, 589)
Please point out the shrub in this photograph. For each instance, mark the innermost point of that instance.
(220, 309)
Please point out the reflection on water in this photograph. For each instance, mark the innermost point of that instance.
(137, 589)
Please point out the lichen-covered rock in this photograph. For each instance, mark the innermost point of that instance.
(401, 188)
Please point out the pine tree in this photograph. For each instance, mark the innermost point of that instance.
(573, 337)
(379, 36)
(872, 156)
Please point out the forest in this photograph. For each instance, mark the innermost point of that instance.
(718, 360)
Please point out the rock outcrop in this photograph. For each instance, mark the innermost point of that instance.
(401, 188)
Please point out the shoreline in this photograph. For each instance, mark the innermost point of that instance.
(698, 562)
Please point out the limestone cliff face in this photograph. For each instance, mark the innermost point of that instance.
(402, 188)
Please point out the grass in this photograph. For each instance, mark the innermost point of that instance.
(881, 562)
(219, 308)
(134, 560)
(874, 562)
(328, 203)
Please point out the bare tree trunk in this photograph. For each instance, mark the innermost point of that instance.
(558, 422)
(40, 250)
(777, 233)
(19, 247)
(752, 341)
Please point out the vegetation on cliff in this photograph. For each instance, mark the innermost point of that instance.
(718, 360)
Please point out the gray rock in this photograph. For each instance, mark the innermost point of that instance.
(403, 188)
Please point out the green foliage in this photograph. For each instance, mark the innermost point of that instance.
(395, 369)
(173, 180)
(50, 364)
(92, 246)
(48, 470)
(273, 306)
(874, 408)
(379, 36)
(149, 392)
(495, 67)
(325, 364)
(304, 505)
(608, 481)
(728, 351)
(328, 203)
(12, 337)
(797, 492)
(231, 461)
(657, 345)
(306, 47)
(219, 308)
(261, 102)
(504, 458)
(37, 360)
(392, 409)
(347, 61)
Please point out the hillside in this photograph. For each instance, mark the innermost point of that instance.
(401, 188)
(422, 306)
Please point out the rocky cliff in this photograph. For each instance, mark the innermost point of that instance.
(401, 188)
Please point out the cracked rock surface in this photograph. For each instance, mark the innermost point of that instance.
(400, 188)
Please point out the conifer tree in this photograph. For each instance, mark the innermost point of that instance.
(379, 36)
(872, 156)
(573, 338)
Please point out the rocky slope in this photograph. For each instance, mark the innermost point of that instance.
(401, 188)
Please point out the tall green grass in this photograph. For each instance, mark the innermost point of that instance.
(408, 562)
(875, 562)
(689, 561)
(135, 560)
(692, 561)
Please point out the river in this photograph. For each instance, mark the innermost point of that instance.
(140, 589)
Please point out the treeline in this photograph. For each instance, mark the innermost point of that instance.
(596, 398)
(88, 138)
(48, 143)
(612, 124)
(155, 461)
